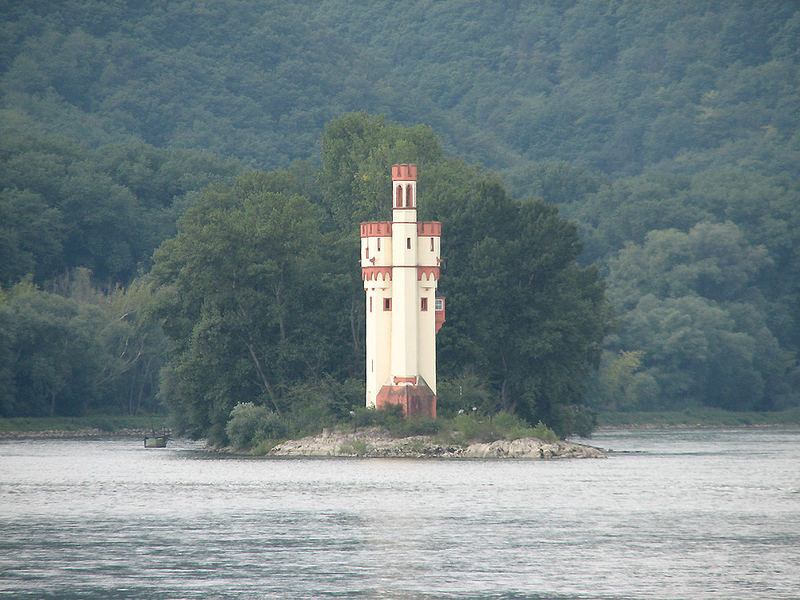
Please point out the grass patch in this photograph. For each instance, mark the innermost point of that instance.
(263, 447)
(502, 426)
(358, 447)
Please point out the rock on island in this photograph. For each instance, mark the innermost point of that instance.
(377, 443)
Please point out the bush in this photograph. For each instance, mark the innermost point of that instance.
(543, 432)
(470, 428)
(503, 425)
(391, 418)
(250, 424)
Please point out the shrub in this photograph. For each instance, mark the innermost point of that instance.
(250, 424)
(503, 425)
(419, 427)
(472, 429)
(543, 432)
(391, 418)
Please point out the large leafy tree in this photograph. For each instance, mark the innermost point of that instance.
(520, 309)
(245, 295)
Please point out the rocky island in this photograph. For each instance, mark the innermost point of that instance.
(376, 442)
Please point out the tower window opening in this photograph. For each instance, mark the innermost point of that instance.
(398, 201)
(370, 304)
(379, 245)
(423, 304)
(409, 196)
(431, 245)
(387, 304)
(408, 243)
(366, 252)
(439, 304)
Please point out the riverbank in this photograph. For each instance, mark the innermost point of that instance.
(374, 442)
(696, 417)
(94, 427)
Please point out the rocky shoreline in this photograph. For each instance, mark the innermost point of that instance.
(378, 443)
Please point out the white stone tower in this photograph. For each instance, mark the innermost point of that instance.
(400, 267)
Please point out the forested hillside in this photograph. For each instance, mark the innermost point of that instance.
(667, 132)
(613, 86)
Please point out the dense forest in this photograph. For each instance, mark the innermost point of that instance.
(646, 155)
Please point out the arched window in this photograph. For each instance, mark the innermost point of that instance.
(409, 196)
(398, 201)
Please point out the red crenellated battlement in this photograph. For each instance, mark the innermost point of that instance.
(404, 172)
(376, 229)
(430, 228)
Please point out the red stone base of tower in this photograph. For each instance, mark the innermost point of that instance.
(416, 400)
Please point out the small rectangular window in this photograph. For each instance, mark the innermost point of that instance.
(408, 243)
(439, 304)
(379, 244)
(387, 304)
(423, 304)
(370, 304)
(431, 244)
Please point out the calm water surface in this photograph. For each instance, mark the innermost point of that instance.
(671, 514)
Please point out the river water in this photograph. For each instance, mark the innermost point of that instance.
(670, 514)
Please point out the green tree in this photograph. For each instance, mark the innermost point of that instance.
(519, 307)
(242, 291)
(53, 354)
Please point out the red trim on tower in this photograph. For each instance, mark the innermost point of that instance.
(376, 229)
(404, 172)
(371, 273)
(428, 272)
(415, 400)
(430, 228)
